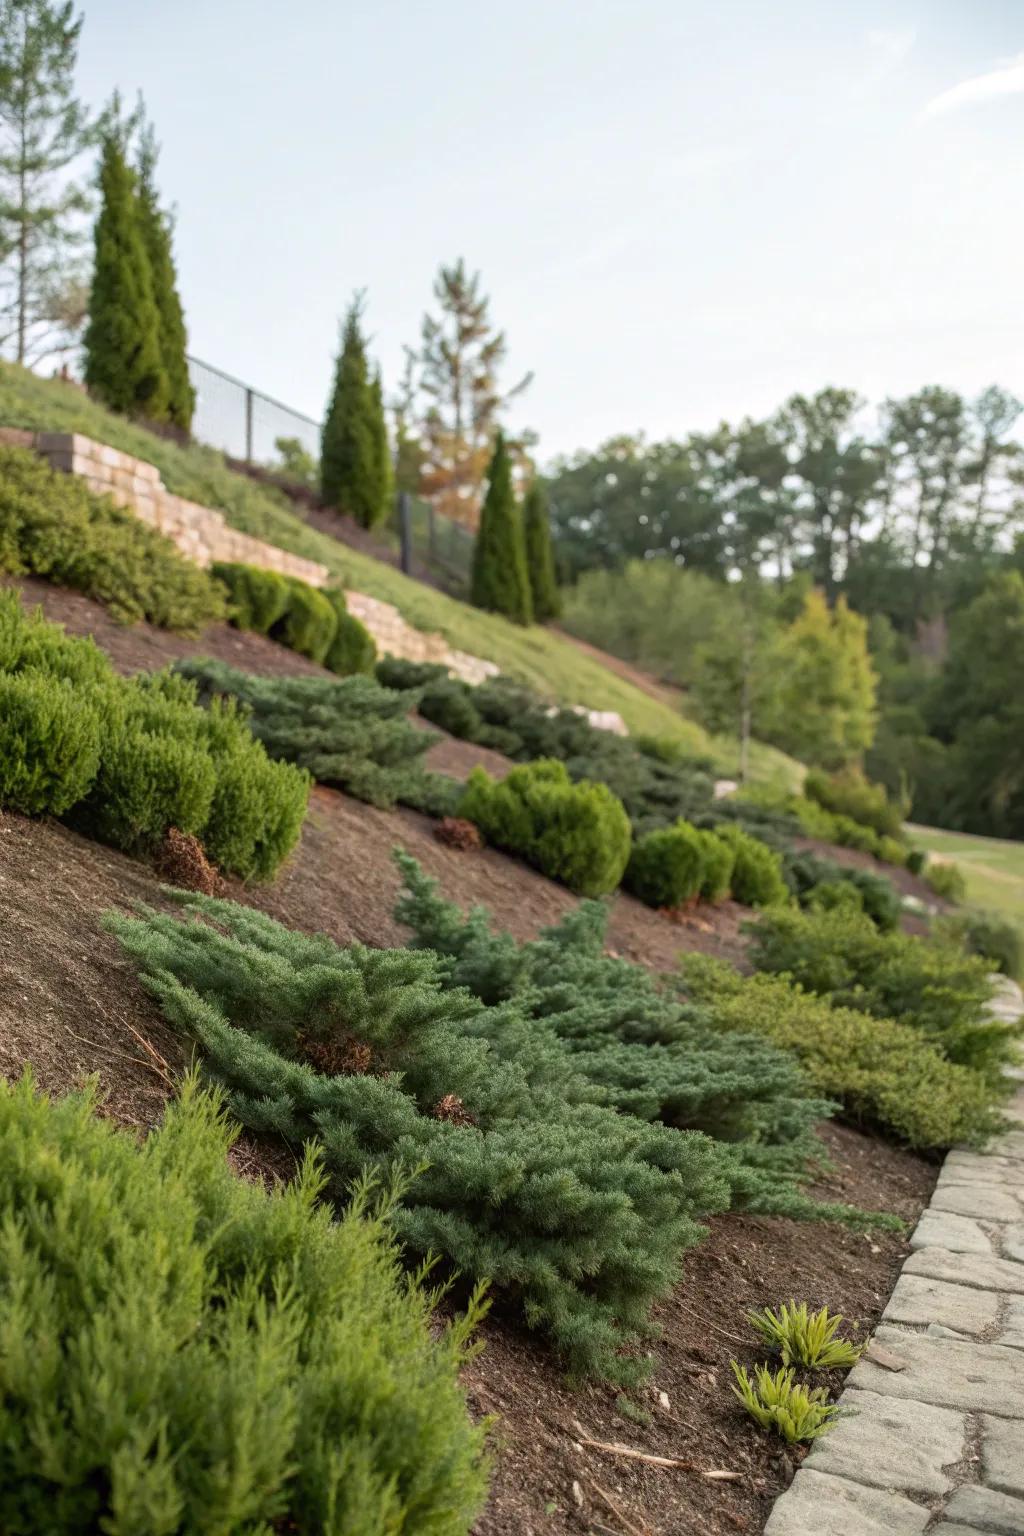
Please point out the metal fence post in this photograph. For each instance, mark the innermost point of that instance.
(248, 426)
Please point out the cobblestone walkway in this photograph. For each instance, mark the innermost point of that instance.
(935, 1441)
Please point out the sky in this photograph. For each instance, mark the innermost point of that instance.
(682, 212)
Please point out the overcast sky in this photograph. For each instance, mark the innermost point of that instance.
(682, 212)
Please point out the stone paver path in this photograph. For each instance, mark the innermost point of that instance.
(935, 1438)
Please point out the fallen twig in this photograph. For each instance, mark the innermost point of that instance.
(618, 1512)
(718, 1475)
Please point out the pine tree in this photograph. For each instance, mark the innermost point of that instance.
(385, 469)
(43, 130)
(350, 444)
(156, 234)
(123, 362)
(540, 557)
(500, 580)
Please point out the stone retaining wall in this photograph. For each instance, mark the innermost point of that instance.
(200, 533)
(204, 536)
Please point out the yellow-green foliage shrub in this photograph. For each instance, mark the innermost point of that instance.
(880, 1071)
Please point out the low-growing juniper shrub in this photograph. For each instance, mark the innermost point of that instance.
(349, 732)
(818, 881)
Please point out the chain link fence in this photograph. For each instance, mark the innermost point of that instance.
(241, 421)
(246, 424)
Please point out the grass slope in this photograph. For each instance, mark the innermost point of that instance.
(546, 660)
(992, 867)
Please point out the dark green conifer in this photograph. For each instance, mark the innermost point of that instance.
(540, 557)
(350, 444)
(156, 233)
(123, 362)
(385, 470)
(500, 581)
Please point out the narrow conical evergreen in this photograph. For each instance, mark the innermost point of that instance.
(350, 442)
(156, 234)
(500, 580)
(540, 557)
(123, 363)
(385, 470)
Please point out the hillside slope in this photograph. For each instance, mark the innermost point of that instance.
(546, 660)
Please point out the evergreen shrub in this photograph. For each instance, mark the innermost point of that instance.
(52, 525)
(882, 1072)
(49, 744)
(927, 984)
(126, 758)
(349, 732)
(574, 1212)
(353, 648)
(997, 939)
(186, 1350)
(258, 598)
(756, 879)
(719, 858)
(817, 881)
(555, 1095)
(946, 880)
(576, 833)
(309, 622)
(849, 793)
(666, 868)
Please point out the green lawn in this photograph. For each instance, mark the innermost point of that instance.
(540, 657)
(992, 867)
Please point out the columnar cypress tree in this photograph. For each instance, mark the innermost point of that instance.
(540, 558)
(500, 580)
(385, 470)
(123, 362)
(156, 235)
(350, 443)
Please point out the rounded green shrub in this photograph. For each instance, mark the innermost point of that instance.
(946, 880)
(353, 648)
(49, 744)
(309, 622)
(719, 863)
(666, 868)
(187, 1350)
(576, 833)
(258, 598)
(756, 879)
(891, 851)
(849, 793)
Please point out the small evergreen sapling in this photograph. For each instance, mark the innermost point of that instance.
(806, 1338)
